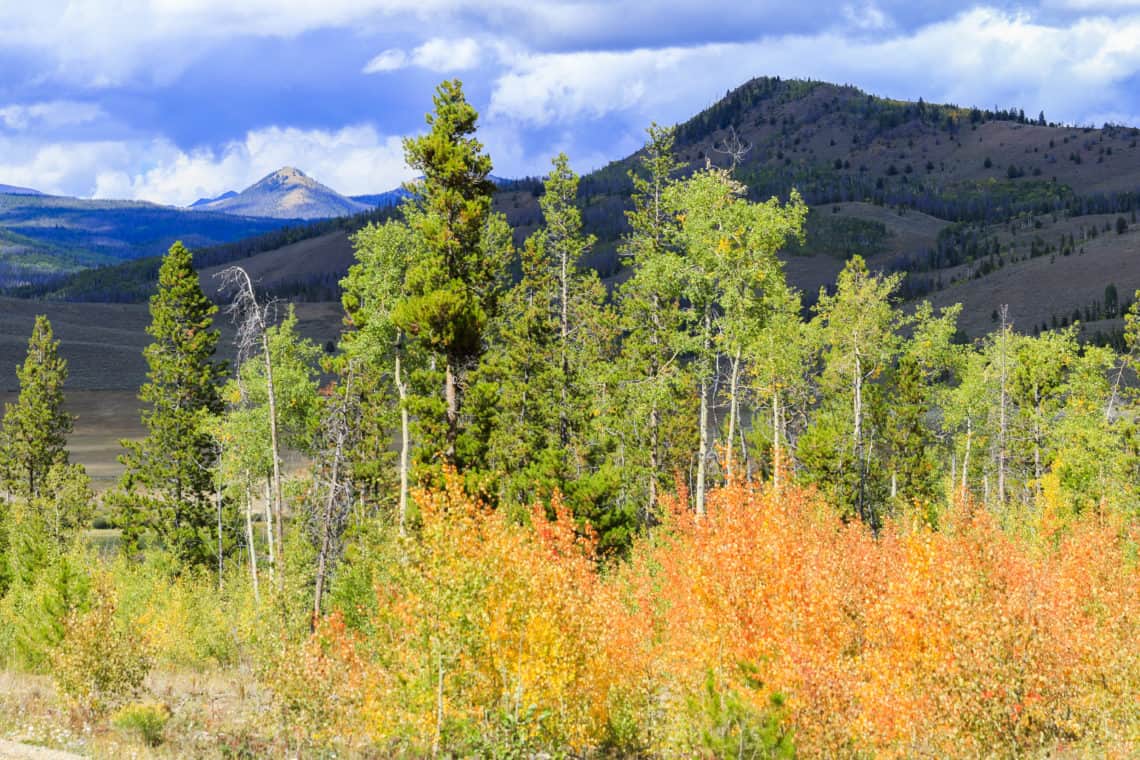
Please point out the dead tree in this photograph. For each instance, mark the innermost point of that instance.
(339, 430)
(252, 322)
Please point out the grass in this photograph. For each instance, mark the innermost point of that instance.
(212, 715)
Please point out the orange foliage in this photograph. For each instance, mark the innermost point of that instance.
(964, 641)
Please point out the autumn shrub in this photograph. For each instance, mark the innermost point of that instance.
(767, 623)
(187, 620)
(100, 660)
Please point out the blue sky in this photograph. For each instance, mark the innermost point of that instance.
(170, 100)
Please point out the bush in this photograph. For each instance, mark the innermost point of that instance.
(487, 636)
(99, 660)
(147, 719)
(38, 614)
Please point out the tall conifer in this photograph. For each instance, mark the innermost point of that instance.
(172, 466)
(36, 426)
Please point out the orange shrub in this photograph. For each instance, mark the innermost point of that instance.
(965, 641)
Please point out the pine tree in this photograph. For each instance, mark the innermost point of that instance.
(919, 384)
(172, 466)
(555, 337)
(452, 286)
(37, 425)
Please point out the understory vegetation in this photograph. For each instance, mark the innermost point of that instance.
(523, 515)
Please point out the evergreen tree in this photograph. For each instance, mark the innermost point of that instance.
(919, 383)
(451, 288)
(554, 340)
(172, 466)
(37, 425)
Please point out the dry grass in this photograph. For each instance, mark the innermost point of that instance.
(213, 715)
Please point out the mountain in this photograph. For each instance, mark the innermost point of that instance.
(13, 190)
(382, 200)
(206, 201)
(980, 206)
(287, 193)
(44, 236)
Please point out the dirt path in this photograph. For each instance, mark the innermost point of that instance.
(14, 751)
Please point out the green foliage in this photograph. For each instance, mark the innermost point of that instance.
(36, 427)
(730, 727)
(173, 464)
(146, 719)
(451, 288)
(545, 373)
(42, 606)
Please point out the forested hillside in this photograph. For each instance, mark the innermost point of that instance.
(519, 511)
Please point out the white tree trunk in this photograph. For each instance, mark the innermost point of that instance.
(733, 406)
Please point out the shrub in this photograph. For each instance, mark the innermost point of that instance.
(490, 637)
(147, 719)
(99, 660)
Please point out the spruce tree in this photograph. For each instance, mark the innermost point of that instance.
(36, 426)
(452, 286)
(172, 466)
(553, 341)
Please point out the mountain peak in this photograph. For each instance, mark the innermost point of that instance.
(287, 193)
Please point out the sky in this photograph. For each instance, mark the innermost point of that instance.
(172, 100)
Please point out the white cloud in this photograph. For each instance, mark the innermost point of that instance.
(437, 54)
(352, 160)
(390, 60)
(983, 57)
(866, 16)
(49, 114)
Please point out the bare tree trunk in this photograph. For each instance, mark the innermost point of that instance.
(703, 451)
(278, 501)
(405, 443)
(1037, 442)
(776, 440)
(654, 463)
(564, 340)
(857, 432)
(327, 527)
(966, 457)
(250, 541)
(252, 330)
(269, 535)
(733, 406)
(218, 505)
(451, 398)
(1002, 410)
